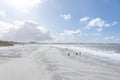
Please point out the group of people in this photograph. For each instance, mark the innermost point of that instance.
(77, 53)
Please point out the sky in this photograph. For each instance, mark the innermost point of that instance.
(60, 21)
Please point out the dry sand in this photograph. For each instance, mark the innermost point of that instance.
(51, 63)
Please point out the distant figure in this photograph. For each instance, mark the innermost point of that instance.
(76, 53)
(66, 49)
(68, 54)
(79, 53)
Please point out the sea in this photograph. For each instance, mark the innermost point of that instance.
(105, 51)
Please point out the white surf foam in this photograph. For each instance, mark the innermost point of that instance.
(104, 55)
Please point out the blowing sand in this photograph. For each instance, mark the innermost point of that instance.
(51, 63)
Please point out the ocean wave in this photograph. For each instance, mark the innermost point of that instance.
(104, 55)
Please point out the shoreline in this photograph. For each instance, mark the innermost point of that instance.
(99, 54)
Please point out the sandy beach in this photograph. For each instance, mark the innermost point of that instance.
(59, 39)
(53, 63)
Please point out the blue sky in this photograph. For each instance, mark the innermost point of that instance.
(60, 20)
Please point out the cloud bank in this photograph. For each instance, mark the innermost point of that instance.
(24, 31)
(67, 36)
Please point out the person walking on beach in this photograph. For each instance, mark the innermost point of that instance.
(79, 53)
(76, 53)
(68, 54)
(66, 48)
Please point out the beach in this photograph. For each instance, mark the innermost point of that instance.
(34, 62)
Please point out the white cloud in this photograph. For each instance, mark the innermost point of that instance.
(25, 31)
(98, 22)
(69, 35)
(2, 13)
(72, 33)
(84, 19)
(65, 16)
